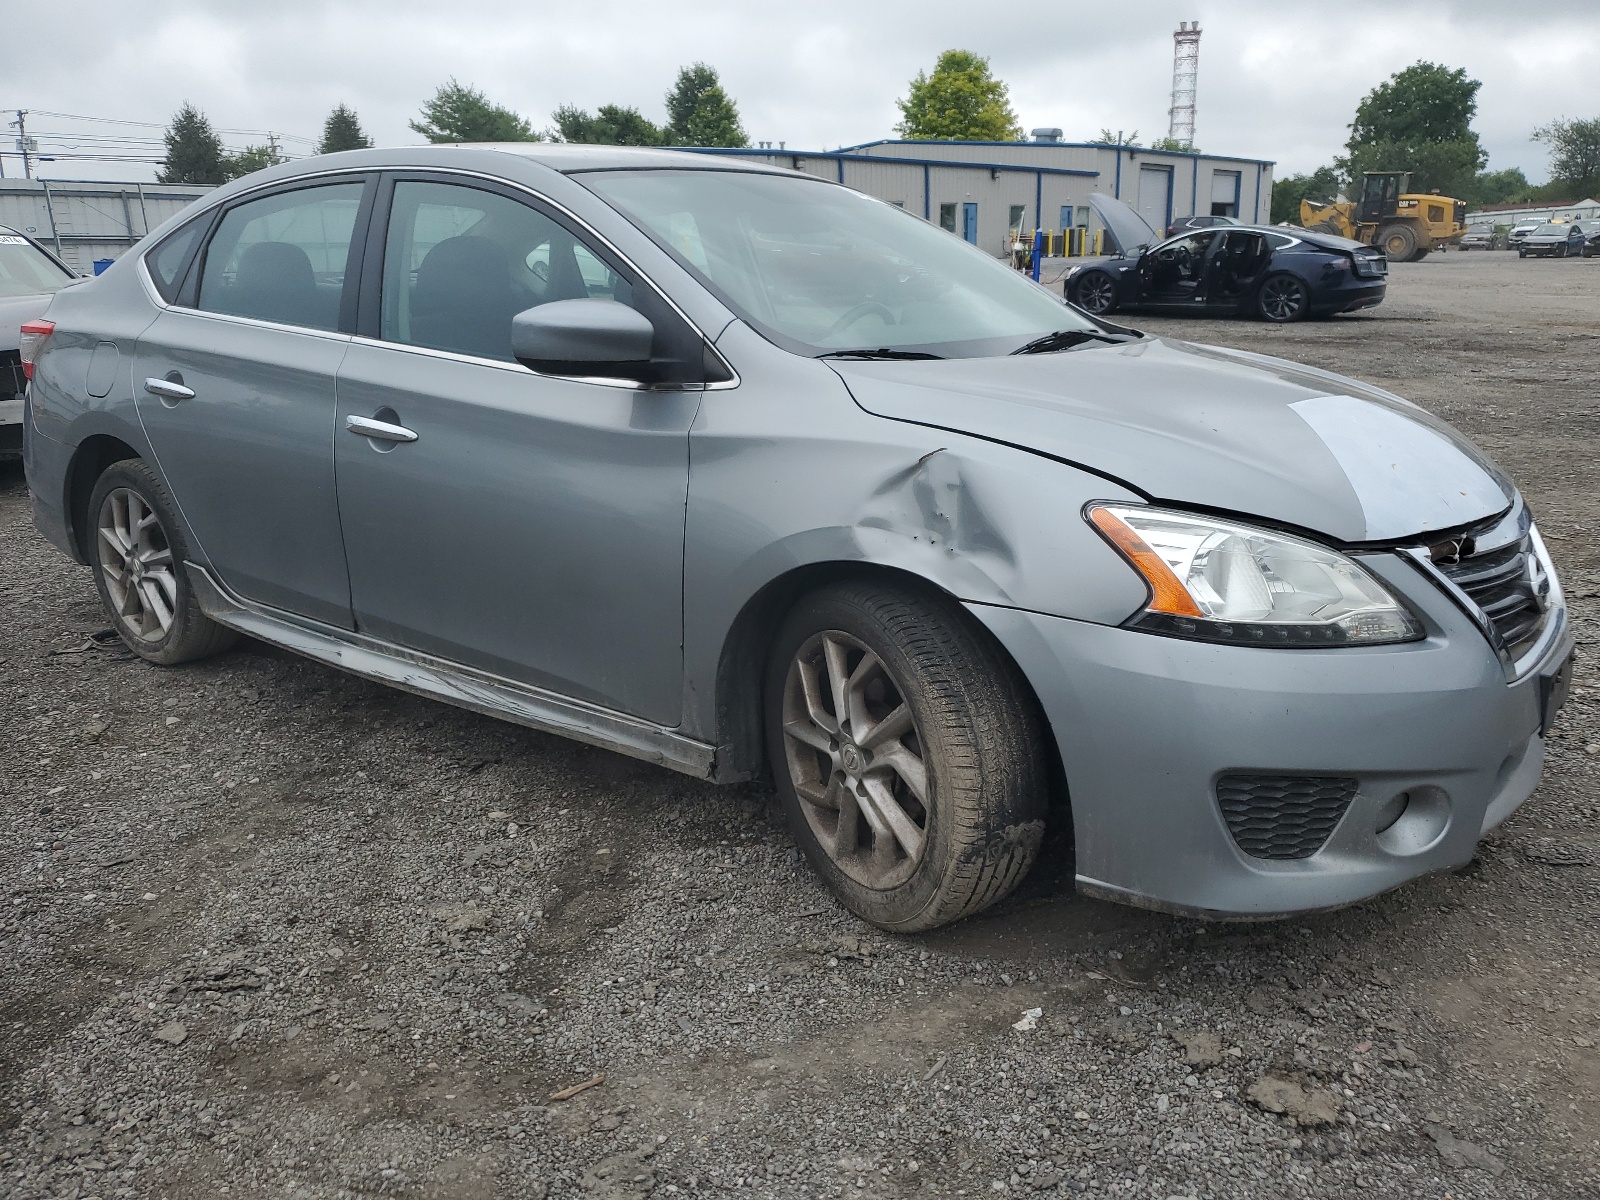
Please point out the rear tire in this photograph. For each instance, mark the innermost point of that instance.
(1095, 292)
(1283, 298)
(926, 801)
(1399, 242)
(138, 554)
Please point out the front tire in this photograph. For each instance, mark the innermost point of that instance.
(1283, 298)
(1399, 242)
(908, 754)
(138, 557)
(1095, 292)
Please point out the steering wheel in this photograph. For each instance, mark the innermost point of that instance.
(865, 309)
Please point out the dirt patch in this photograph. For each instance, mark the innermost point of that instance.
(391, 930)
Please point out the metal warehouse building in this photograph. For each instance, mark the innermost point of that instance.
(984, 190)
(85, 222)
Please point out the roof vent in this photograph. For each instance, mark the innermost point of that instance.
(1046, 135)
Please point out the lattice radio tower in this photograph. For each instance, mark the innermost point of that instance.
(1185, 71)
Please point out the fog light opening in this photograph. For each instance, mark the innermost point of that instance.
(1392, 811)
(1414, 821)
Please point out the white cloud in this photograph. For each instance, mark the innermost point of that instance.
(1274, 83)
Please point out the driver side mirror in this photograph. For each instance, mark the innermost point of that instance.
(600, 338)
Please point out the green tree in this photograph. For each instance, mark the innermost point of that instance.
(612, 125)
(194, 151)
(1574, 156)
(342, 131)
(1419, 120)
(700, 113)
(1107, 138)
(251, 158)
(1170, 143)
(1499, 187)
(961, 101)
(1321, 185)
(463, 114)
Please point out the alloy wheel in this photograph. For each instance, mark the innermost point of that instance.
(136, 562)
(1281, 299)
(1095, 294)
(855, 758)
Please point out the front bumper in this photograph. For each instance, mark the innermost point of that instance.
(1146, 725)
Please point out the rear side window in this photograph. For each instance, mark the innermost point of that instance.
(168, 261)
(283, 258)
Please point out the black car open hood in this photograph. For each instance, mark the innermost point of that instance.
(1206, 427)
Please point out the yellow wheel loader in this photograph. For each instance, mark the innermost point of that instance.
(1405, 225)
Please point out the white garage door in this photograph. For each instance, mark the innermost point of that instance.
(1155, 196)
(1224, 193)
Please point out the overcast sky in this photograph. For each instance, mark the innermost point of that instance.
(1276, 82)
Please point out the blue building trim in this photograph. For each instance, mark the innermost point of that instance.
(841, 169)
(1255, 217)
(927, 193)
(1265, 162)
(845, 156)
(1194, 192)
(1116, 193)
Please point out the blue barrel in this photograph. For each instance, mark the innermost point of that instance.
(100, 264)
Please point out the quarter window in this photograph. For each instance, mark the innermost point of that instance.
(461, 262)
(283, 258)
(168, 260)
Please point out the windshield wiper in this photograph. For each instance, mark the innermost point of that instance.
(1065, 339)
(882, 354)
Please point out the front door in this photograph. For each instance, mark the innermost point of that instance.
(534, 527)
(969, 222)
(1174, 272)
(256, 338)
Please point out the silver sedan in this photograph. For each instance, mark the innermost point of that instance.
(739, 471)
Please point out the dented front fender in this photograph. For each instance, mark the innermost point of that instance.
(787, 471)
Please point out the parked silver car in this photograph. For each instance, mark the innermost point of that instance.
(735, 469)
(29, 276)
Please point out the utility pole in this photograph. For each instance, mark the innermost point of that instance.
(22, 142)
(272, 144)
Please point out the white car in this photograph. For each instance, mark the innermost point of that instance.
(29, 276)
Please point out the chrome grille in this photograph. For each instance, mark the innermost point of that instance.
(1505, 585)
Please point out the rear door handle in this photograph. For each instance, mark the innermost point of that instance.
(382, 430)
(168, 390)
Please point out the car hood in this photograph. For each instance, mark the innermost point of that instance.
(1205, 427)
(1127, 226)
(14, 310)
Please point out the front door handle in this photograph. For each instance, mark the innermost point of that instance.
(384, 431)
(167, 389)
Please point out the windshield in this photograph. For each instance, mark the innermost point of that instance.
(1551, 229)
(27, 271)
(821, 269)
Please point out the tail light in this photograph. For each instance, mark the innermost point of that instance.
(34, 336)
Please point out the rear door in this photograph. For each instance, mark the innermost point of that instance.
(256, 336)
(533, 528)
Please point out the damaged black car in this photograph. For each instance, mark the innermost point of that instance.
(1276, 273)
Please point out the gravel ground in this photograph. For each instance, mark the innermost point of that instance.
(275, 931)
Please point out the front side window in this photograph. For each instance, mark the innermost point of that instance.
(460, 262)
(820, 268)
(25, 270)
(283, 257)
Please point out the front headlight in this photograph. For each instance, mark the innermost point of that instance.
(1216, 581)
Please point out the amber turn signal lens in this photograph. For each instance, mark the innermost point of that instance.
(1168, 595)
